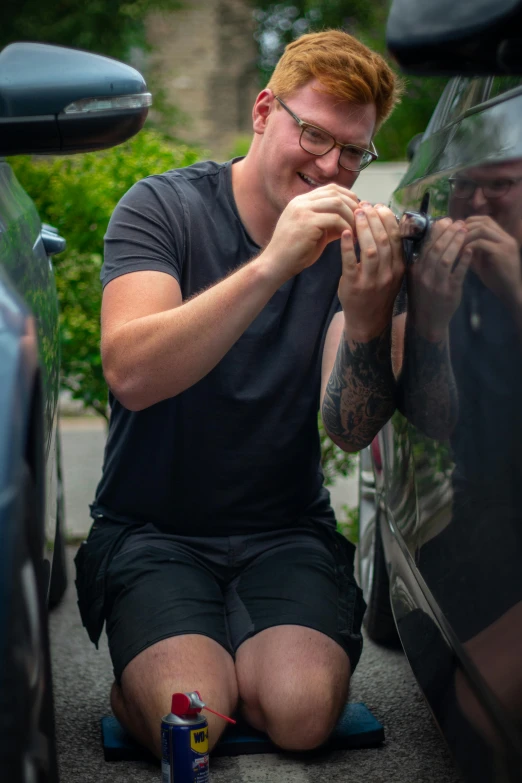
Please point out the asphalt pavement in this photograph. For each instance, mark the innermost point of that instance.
(414, 751)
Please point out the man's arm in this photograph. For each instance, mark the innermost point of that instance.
(154, 345)
(426, 389)
(358, 384)
(359, 397)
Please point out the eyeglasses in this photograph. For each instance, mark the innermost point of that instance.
(461, 187)
(319, 142)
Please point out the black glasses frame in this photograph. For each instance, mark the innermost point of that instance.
(304, 125)
(483, 186)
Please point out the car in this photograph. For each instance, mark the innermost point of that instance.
(53, 100)
(440, 508)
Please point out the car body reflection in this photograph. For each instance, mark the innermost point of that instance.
(452, 484)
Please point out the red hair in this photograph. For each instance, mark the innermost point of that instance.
(346, 69)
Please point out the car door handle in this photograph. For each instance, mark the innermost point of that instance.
(52, 241)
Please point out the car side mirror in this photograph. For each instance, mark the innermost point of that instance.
(57, 100)
(448, 38)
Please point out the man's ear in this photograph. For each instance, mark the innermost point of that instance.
(263, 105)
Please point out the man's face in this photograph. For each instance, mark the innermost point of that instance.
(286, 170)
(504, 209)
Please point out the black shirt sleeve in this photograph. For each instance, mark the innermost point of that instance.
(145, 231)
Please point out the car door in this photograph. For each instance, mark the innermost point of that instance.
(29, 281)
(467, 471)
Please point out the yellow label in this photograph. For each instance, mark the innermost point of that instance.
(199, 740)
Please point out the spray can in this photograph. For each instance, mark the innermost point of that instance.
(184, 740)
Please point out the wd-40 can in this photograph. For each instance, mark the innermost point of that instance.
(184, 741)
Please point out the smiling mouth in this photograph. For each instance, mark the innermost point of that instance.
(309, 181)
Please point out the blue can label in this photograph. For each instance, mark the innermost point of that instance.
(184, 753)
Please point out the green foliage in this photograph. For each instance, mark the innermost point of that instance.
(241, 145)
(77, 195)
(108, 27)
(348, 523)
(410, 117)
(334, 460)
(280, 23)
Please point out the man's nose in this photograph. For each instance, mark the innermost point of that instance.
(329, 163)
(478, 199)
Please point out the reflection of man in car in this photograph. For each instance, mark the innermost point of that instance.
(486, 332)
(474, 565)
(489, 199)
(486, 350)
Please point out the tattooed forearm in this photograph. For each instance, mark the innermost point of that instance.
(360, 395)
(427, 393)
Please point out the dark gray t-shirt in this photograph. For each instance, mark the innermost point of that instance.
(239, 451)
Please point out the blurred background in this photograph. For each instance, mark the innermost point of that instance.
(204, 61)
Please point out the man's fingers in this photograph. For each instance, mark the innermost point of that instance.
(389, 222)
(487, 245)
(367, 244)
(444, 246)
(461, 266)
(331, 223)
(334, 205)
(348, 254)
(456, 236)
(478, 231)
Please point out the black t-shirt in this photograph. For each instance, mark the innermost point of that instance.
(239, 451)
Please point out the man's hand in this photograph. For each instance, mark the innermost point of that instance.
(368, 288)
(495, 259)
(435, 283)
(306, 226)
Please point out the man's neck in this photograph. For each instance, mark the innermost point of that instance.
(256, 215)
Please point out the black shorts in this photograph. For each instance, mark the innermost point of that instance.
(230, 588)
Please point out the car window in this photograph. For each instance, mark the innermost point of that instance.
(502, 84)
(461, 94)
(469, 92)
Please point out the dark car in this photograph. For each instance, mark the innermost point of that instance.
(53, 100)
(440, 554)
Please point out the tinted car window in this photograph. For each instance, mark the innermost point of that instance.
(468, 92)
(502, 84)
(460, 95)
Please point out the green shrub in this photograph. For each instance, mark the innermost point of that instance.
(77, 195)
(348, 523)
(335, 462)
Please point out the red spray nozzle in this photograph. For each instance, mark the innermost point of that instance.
(191, 704)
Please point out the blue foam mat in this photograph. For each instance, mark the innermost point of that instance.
(356, 728)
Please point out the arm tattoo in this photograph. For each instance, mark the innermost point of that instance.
(360, 395)
(427, 392)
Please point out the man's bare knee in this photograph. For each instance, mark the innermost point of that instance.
(181, 663)
(293, 685)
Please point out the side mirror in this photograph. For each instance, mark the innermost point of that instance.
(57, 100)
(449, 38)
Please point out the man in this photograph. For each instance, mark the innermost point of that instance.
(213, 557)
